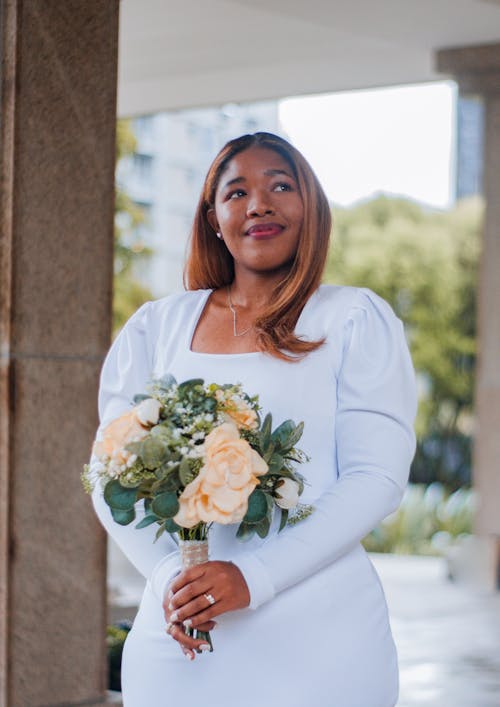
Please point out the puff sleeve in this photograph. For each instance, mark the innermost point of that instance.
(375, 442)
(126, 371)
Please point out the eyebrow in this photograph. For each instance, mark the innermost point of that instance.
(267, 172)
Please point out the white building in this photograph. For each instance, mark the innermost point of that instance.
(165, 176)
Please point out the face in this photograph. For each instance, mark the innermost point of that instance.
(258, 210)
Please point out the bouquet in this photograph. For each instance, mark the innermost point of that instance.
(197, 454)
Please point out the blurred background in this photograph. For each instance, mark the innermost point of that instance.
(111, 115)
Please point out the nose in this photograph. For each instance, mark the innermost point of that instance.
(259, 204)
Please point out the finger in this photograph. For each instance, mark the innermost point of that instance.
(176, 631)
(191, 591)
(207, 626)
(187, 576)
(197, 620)
(194, 608)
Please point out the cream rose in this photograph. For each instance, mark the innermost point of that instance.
(287, 494)
(126, 428)
(227, 478)
(238, 411)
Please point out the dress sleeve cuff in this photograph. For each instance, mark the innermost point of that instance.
(257, 578)
(163, 574)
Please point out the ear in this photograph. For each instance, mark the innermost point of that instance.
(212, 219)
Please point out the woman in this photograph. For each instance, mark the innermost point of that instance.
(301, 616)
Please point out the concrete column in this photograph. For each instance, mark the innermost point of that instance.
(58, 104)
(477, 71)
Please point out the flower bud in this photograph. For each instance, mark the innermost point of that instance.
(148, 412)
(287, 493)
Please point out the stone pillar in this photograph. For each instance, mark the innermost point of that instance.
(58, 105)
(477, 71)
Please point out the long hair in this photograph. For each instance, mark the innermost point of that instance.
(210, 265)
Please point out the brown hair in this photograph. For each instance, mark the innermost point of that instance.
(210, 265)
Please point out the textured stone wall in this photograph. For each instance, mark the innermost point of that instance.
(57, 169)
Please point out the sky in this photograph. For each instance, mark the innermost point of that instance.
(397, 140)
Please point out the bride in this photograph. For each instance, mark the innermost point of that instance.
(299, 617)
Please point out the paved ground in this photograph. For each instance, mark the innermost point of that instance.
(448, 635)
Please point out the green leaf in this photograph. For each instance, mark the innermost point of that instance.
(284, 519)
(294, 437)
(140, 397)
(257, 507)
(154, 452)
(185, 472)
(265, 433)
(188, 385)
(160, 531)
(171, 526)
(118, 497)
(262, 528)
(245, 532)
(166, 505)
(147, 520)
(275, 464)
(123, 517)
(282, 433)
(167, 381)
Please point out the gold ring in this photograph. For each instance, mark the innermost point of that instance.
(209, 598)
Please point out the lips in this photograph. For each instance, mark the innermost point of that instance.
(265, 230)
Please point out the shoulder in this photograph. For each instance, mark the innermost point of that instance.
(335, 307)
(177, 305)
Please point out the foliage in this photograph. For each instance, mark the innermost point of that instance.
(427, 522)
(129, 293)
(425, 264)
(115, 638)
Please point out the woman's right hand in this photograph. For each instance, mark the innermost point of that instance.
(188, 645)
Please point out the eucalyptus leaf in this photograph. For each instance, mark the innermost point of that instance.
(188, 385)
(294, 437)
(166, 505)
(171, 526)
(140, 397)
(154, 452)
(123, 517)
(282, 433)
(147, 520)
(185, 472)
(245, 532)
(167, 381)
(257, 507)
(118, 497)
(265, 433)
(284, 519)
(275, 464)
(160, 531)
(262, 528)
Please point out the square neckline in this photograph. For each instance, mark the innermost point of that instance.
(197, 316)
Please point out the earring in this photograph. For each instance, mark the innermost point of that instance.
(219, 235)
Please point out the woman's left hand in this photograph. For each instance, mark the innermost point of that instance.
(191, 593)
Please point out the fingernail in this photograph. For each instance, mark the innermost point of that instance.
(187, 623)
(174, 616)
(189, 656)
(170, 594)
(170, 606)
(204, 647)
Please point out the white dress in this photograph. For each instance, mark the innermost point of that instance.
(317, 630)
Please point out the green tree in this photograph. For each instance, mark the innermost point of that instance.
(128, 292)
(425, 264)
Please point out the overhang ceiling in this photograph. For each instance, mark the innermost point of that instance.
(206, 52)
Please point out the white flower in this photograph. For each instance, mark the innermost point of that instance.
(148, 412)
(287, 493)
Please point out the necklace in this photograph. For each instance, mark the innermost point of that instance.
(231, 307)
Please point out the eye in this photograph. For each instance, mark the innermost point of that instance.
(236, 194)
(283, 186)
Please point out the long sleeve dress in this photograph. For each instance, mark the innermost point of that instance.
(316, 630)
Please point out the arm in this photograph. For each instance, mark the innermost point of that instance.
(375, 446)
(126, 371)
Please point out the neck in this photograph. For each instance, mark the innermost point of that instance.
(254, 290)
